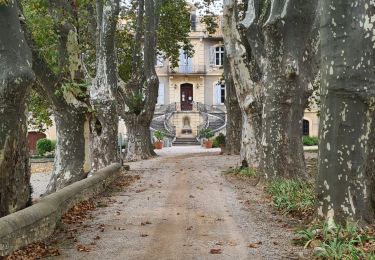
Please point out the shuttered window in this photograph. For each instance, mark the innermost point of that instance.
(161, 94)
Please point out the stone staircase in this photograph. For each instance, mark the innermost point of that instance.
(216, 122)
(214, 119)
(185, 142)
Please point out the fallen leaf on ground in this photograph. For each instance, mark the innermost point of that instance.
(232, 243)
(216, 251)
(33, 251)
(82, 248)
(255, 245)
(78, 212)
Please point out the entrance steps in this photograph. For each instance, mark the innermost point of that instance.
(185, 141)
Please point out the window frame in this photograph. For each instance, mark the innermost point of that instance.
(219, 55)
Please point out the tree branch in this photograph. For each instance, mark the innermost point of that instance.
(251, 26)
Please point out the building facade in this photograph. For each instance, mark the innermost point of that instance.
(192, 95)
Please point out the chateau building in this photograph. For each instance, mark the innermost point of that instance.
(192, 95)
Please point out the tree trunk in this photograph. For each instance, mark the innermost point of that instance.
(283, 110)
(246, 86)
(138, 119)
(139, 139)
(16, 77)
(346, 167)
(234, 114)
(71, 154)
(284, 46)
(104, 123)
(104, 134)
(72, 147)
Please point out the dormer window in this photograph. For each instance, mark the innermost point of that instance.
(193, 21)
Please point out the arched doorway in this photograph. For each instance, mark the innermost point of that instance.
(306, 127)
(186, 97)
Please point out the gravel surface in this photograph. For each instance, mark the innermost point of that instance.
(183, 207)
(40, 176)
(41, 172)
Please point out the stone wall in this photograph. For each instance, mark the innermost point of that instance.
(38, 222)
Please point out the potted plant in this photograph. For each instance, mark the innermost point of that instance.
(202, 134)
(220, 139)
(208, 134)
(159, 135)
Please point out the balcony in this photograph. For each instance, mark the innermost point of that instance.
(188, 69)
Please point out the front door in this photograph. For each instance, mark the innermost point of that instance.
(186, 97)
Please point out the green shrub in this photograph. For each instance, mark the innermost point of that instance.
(310, 140)
(43, 146)
(296, 197)
(215, 143)
(220, 139)
(338, 242)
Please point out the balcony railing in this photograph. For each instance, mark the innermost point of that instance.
(188, 69)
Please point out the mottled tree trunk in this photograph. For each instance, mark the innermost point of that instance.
(15, 78)
(144, 77)
(248, 89)
(283, 46)
(104, 123)
(139, 139)
(71, 154)
(346, 174)
(72, 148)
(104, 134)
(234, 114)
(283, 110)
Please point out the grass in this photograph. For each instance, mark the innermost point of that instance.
(243, 171)
(294, 197)
(338, 242)
(310, 140)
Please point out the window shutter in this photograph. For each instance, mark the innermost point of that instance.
(182, 57)
(217, 95)
(212, 56)
(161, 94)
(159, 61)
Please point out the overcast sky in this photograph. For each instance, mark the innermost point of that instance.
(217, 6)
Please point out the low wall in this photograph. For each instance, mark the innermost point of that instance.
(38, 222)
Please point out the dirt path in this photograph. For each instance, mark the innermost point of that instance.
(181, 208)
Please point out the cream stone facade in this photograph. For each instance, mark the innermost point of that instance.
(311, 122)
(193, 90)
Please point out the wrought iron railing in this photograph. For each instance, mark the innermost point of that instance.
(188, 69)
(170, 110)
(206, 111)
